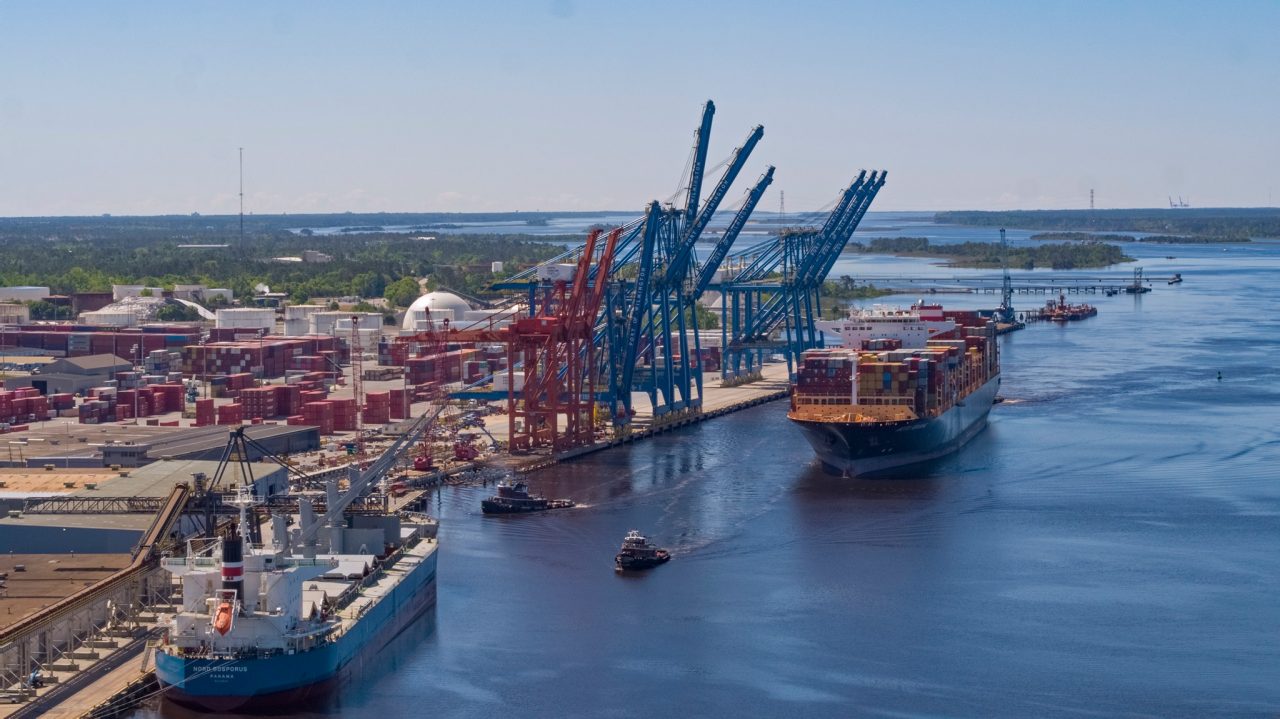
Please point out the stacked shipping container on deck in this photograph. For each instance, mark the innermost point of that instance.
(927, 380)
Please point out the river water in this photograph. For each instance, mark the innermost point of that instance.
(1107, 547)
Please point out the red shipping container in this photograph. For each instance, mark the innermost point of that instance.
(230, 414)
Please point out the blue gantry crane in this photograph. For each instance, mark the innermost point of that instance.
(648, 325)
(774, 296)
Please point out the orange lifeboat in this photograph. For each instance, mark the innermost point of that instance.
(222, 620)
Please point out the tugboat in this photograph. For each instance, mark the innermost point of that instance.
(513, 498)
(637, 553)
(1176, 279)
(1060, 311)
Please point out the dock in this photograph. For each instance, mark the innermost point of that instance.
(718, 400)
(1044, 285)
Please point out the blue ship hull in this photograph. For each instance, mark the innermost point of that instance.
(251, 684)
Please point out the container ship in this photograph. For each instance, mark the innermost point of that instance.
(908, 386)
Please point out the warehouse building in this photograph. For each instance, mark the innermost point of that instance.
(73, 374)
(90, 532)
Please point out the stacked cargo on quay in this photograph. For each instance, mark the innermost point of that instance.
(910, 386)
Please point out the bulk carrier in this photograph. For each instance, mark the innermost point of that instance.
(266, 625)
(909, 386)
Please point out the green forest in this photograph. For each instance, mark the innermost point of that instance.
(68, 260)
(1062, 256)
(1193, 224)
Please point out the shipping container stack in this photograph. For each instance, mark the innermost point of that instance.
(81, 340)
(344, 414)
(259, 402)
(267, 358)
(928, 380)
(398, 403)
(231, 414)
(377, 408)
(392, 352)
(22, 406)
(205, 414)
(319, 414)
(64, 404)
(99, 406)
(445, 366)
(289, 399)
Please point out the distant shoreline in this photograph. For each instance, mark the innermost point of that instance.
(1151, 239)
(1186, 224)
(987, 255)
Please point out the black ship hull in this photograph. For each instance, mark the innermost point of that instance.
(625, 563)
(856, 450)
(494, 505)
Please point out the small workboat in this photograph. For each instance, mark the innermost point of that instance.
(637, 553)
(513, 498)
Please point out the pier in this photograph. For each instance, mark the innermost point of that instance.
(1050, 285)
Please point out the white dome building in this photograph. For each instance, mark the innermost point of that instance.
(443, 305)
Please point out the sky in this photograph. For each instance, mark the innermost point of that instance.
(140, 107)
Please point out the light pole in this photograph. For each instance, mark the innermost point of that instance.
(262, 358)
(136, 389)
(204, 356)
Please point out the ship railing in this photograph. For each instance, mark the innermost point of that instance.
(210, 562)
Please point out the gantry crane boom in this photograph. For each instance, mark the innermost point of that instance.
(721, 250)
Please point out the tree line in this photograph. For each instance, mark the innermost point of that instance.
(365, 265)
(1058, 256)
(1231, 223)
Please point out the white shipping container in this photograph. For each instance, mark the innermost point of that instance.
(503, 381)
(556, 273)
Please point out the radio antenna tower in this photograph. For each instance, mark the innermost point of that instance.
(242, 197)
(1091, 198)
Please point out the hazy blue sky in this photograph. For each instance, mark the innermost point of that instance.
(133, 107)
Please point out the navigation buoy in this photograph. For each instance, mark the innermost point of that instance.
(1219, 375)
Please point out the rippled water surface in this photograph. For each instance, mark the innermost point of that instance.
(1110, 545)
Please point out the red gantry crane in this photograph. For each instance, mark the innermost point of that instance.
(554, 346)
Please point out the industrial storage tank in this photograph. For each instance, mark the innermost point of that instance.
(247, 318)
(330, 323)
(368, 333)
(119, 292)
(442, 305)
(297, 319)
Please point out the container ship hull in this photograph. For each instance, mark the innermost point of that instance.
(264, 683)
(859, 449)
